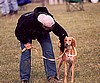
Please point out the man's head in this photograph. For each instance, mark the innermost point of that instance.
(47, 21)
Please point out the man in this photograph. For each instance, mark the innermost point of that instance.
(37, 25)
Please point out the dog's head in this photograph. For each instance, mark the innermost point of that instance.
(69, 41)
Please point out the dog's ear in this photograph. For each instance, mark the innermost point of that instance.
(73, 42)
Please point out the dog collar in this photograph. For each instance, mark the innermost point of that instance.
(71, 55)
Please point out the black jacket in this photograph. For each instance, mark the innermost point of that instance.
(28, 27)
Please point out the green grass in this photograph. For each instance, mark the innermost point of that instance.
(84, 26)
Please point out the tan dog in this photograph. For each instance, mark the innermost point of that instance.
(68, 56)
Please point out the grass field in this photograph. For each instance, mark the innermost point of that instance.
(84, 26)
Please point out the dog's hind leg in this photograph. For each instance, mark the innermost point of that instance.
(59, 66)
(72, 77)
(68, 69)
(65, 73)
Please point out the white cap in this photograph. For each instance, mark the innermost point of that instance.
(46, 20)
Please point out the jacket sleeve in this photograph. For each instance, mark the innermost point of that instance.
(61, 33)
(21, 30)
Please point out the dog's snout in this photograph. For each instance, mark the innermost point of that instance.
(66, 44)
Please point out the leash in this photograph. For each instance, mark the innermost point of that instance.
(48, 58)
(24, 49)
(56, 59)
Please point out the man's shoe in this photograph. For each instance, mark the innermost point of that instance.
(24, 81)
(53, 80)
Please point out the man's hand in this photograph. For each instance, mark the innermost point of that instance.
(28, 46)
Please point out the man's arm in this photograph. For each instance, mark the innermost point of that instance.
(21, 30)
(61, 33)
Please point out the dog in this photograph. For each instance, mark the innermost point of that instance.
(68, 56)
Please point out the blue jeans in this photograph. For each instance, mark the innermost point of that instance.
(47, 49)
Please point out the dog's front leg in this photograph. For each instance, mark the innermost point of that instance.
(72, 77)
(65, 73)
